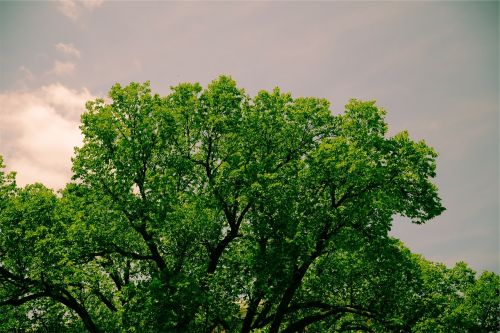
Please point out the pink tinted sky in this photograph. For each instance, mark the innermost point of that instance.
(432, 65)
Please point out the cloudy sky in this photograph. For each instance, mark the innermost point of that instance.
(432, 65)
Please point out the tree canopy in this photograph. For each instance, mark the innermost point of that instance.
(208, 210)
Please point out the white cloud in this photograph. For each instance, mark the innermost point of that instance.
(62, 68)
(73, 9)
(38, 130)
(69, 49)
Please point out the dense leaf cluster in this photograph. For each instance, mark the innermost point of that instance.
(207, 211)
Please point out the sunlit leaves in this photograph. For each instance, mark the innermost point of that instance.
(208, 209)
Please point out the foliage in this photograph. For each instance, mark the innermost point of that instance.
(208, 210)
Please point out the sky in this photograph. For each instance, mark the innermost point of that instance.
(433, 66)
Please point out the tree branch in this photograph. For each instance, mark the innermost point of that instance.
(23, 299)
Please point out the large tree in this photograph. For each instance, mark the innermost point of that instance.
(208, 210)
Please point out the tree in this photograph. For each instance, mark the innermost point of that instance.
(454, 300)
(208, 210)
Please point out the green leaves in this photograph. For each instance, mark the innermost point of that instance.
(208, 209)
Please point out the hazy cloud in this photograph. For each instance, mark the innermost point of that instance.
(38, 131)
(26, 73)
(68, 49)
(73, 9)
(92, 4)
(62, 68)
(68, 8)
(24, 77)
